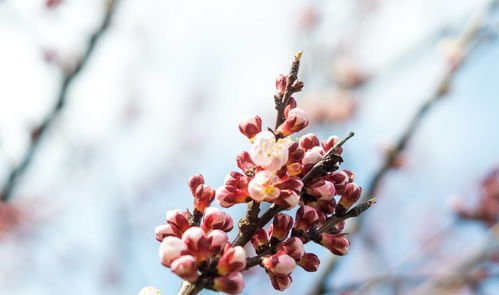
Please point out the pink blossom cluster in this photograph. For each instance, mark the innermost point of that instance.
(287, 173)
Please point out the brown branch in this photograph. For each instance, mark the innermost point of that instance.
(282, 102)
(327, 163)
(443, 86)
(40, 131)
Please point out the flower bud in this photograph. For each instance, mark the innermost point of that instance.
(280, 227)
(291, 105)
(171, 248)
(309, 141)
(203, 197)
(236, 179)
(293, 247)
(280, 84)
(178, 218)
(228, 196)
(197, 242)
(280, 283)
(262, 187)
(268, 153)
(296, 120)
(337, 244)
(309, 262)
(165, 230)
(149, 291)
(195, 181)
(233, 259)
(288, 199)
(329, 144)
(290, 183)
(350, 195)
(260, 240)
(250, 126)
(244, 162)
(327, 207)
(313, 156)
(185, 267)
(218, 239)
(340, 180)
(295, 153)
(232, 283)
(322, 189)
(215, 218)
(306, 216)
(279, 263)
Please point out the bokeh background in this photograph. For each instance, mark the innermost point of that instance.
(159, 98)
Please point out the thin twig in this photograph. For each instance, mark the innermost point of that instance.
(470, 33)
(40, 131)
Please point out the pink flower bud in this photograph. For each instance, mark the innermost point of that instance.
(171, 248)
(309, 141)
(295, 153)
(233, 259)
(232, 283)
(280, 283)
(238, 180)
(329, 144)
(327, 207)
(309, 262)
(322, 189)
(290, 183)
(280, 84)
(291, 105)
(244, 162)
(280, 227)
(306, 216)
(195, 181)
(260, 240)
(293, 247)
(294, 169)
(313, 156)
(351, 175)
(228, 196)
(185, 267)
(149, 291)
(279, 263)
(350, 195)
(288, 199)
(337, 244)
(197, 242)
(178, 218)
(340, 180)
(218, 239)
(215, 218)
(165, 230)
(268, 153)
(203, 196)
(262, 187)
(295, 121)
(250, 126)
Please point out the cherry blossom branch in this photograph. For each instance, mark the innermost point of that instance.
(278, 171)
(466, 39)
(39, 132)
(313, 234)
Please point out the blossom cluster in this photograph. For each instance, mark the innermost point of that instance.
(288, 173)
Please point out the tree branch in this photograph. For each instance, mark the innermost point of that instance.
(40, 131)
(467, 37)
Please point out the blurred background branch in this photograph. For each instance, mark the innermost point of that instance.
(39, 132)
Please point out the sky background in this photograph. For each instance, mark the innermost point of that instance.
(160, 99)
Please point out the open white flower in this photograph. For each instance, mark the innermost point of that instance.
(268, 153)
